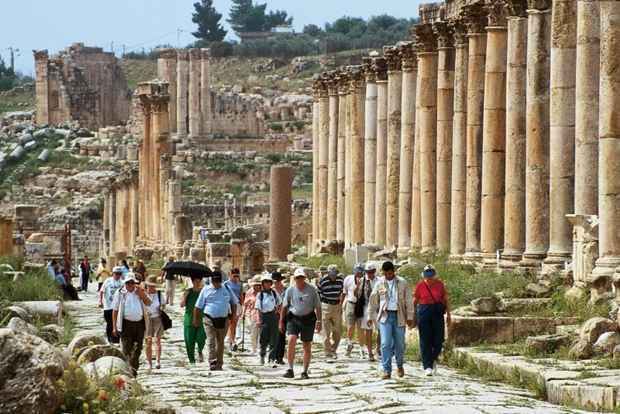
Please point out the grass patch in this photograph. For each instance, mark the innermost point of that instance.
(34, 285)
(315, 262)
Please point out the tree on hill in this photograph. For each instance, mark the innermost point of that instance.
(208, 20)
(245, 16)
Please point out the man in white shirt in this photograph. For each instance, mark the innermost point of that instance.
(106, 298)
(129, 317)
(267, 303)
(350, 294)
(366, 324)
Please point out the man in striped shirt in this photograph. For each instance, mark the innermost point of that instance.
(330, 292)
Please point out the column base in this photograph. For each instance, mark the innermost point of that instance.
(403, 251)
(456, 257)
(490, 262)
(604, 267)
(509, 259)
(473, 257)
(532, 261)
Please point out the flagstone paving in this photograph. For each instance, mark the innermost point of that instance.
(348, 385)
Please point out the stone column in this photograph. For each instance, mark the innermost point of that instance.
(167, 71)
(205, 92)
(370, 151)
(395, 81)
(332, 158)
(315, 167)
(445, 114)
(516, 73)
(407, 137)
(41, 58)
(135, 225)
(112, 220)
(537, 134)
(280, 223)
(459, 141)
(586, 107)
(380, 68)
(427, 101)
(195, 118)
(494, 135)
(475, 112)
(358, 97)
(347, 165)
(342, 135)
(182, 92)
(609, 141)
(562, 130)
(323, 157)
(416, 218)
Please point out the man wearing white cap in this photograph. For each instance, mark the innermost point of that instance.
(106, 297)
(267, 303)
(302, 307)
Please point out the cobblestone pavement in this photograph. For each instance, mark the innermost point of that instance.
(348, 385)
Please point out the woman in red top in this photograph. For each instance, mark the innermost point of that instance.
(431, 302)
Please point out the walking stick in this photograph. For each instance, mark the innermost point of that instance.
(243, 332)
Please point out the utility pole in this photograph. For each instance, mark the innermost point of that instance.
(14, 52)
(112, 46)
(179, 31)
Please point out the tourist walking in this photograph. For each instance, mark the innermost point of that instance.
(391, 305)
(267, 304)
(131, 319)
(85, 271)
(367, 324)
(217, 304)
(278, 353)
(431, 302)
(236, 287)
(171, 282)
(102, 273)
(302, 307)
(352, 313)
(250, 314)
(193, 335)
(155, 329)
(106, 298)
(330, 289)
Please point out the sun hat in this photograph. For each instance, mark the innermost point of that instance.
(387, 266)
(429, 271)
(299, 272)
(359, 268)
(117, 269)
(277, 276)
(130, 278)
(266, 277)
(256, 280)
(332, 270)
(370, 267)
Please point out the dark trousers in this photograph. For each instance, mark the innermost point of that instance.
(132, 339)
(107, 315)
(268, 333)
(84, 283)
(277, 354)
(432, 334)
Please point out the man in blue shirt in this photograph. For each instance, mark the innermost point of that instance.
(218, 304)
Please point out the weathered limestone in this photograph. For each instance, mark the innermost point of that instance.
(195, 117)
(476, 23)
(585, 247)
(347, 164)
(395, 80)
(537, 134)
(182, 93)
(205, 92)
(323, 157)
(167, 71)
(427, 118)
(112, 221)
(609, 142)
(516, 74)
(562, 129)
(332, 159)
(280, 224)
(445, 114)
(407, 136)
(494, 135)
(315, 166)
(6, 236)
(342, 135)
(587, 107)
(370, 151)
(380, 68)
(358, 97)
(459, 144)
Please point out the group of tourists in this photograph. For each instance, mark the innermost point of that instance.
(218, 308)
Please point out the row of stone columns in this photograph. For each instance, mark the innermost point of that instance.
(479, 136)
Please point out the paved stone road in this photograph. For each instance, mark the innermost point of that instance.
(348, 385)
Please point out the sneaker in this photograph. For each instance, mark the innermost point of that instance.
(304, 375)
(234, 347)
(428, 372)
(435, 368)
(386, 376)
(401, 372)
(280, 362)
(371, 358)
(289, 373)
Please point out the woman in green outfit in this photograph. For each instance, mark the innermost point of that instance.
(193, 336)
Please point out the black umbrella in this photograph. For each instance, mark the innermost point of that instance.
(187, 269)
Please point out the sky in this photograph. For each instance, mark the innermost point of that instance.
(54, 24)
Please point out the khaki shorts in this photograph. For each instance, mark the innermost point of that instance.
(349, 314)
(155, 329)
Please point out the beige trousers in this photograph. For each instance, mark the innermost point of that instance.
(215, 343)
(332, 326)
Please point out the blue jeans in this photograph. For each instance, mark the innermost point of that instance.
(431, 330)
(392, 342)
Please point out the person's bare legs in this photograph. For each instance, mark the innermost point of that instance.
(158, 350)
(307, 354)
(290, 354)
(149, 351)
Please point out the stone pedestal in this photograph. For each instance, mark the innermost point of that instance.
(380, 67)
(182, 93)
(370, 151)
(280, 224)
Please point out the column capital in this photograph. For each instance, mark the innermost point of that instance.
(540, 5)
(392, 58)
(331, 81)
(195, 54)
(475, 18)
(167, 54)
(497, 13)
(319, 88)
(356, 78)
(369, 73)
(342, 79)
(379, 65)
(516, 8)
(206, 53)
(426, 40)
(182, 54)
(444, 31)
(459, 33)
(408, 55)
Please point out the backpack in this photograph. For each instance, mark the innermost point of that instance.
(273, 293)
(361, 302)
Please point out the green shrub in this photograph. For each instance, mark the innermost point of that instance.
(34, 285)
(315, 262)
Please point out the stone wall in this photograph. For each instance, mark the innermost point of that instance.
(6, 236)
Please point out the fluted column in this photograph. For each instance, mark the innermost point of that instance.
(562, 130)
(586, 107)
(395, 80)
(112, 220)
(343, 91)
(475, 113)
(537, 133)
(407, 136)
(323, 157)
(167, 71)
(416, 218)
(609, 141)
(332, 159)
(494, 135)
(459, 141)
(195, 117)
(358, 96)
(380, 68)
(347, 164)
(445, 115)
(205, 92)
(370, 151)
(315, 166)
(427, 99)
(516, 73)
(182, 92)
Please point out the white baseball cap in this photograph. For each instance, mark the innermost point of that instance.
(299, 272)
(370, 267)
